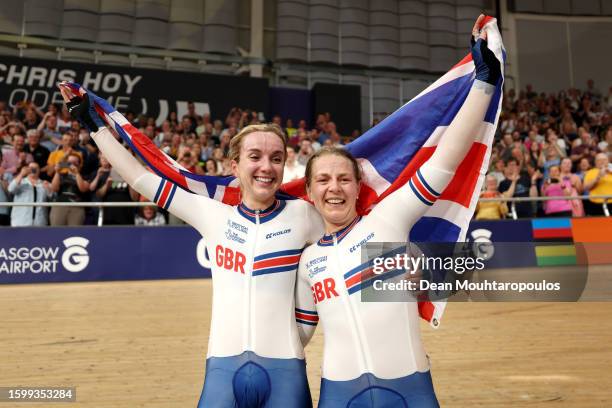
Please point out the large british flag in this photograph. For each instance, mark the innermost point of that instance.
(389, 153)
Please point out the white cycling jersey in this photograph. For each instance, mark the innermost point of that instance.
(381, 338)
(254, 258)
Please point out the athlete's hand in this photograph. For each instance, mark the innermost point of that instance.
(488, 68)
(81, 109)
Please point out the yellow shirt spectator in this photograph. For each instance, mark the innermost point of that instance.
(599, 179)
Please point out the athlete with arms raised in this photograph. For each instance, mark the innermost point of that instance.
(255, 357)
(374, 356)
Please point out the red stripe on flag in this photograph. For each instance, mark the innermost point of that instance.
(306, 317)
(285, 260)
(153, 156)
(426, 310)
(462, 186)
(164, 195)
(552, 233)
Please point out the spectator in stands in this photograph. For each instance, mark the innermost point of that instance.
(566, 175)
(15, 157)
(334, 136)
(586, 149)
(28, 187)
(497, 172)
(69, 186)
(491, 210)
(549, 157)
(306, 151)
(4, 211)
(554, 186)
(109, 187)
(289, 129)
(39, 153)
(605, 145)
(51, 133)
(598, 181)
(583, 167)
(293, 169)
(61, 154)
(212, 168)
(149, 216)
(518, 184)
(64, 121)
(533, 156)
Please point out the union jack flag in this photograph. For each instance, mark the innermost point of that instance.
(389, 153)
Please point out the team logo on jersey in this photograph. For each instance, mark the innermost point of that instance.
(360, 243)
(316, 266)
(277, 233)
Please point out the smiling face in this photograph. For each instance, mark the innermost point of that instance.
(259, 168)
(334, 189)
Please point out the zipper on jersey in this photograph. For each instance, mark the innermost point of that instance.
(249, 301)
(364, 360)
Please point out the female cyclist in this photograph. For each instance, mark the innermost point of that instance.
(373, 354)
(255, 357)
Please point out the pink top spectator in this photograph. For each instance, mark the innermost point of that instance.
(555, 206)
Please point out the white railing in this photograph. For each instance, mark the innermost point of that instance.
(102, 205)
(514, 200)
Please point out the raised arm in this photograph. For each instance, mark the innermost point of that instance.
(187, 206)
(411, 201)
(464, 128)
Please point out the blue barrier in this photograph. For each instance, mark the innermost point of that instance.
(47, 254)
(64, 254)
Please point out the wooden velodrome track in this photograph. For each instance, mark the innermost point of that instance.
(143, 344)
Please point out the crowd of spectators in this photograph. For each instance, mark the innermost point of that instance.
(550, 145)
(546, 145)
(47, 156)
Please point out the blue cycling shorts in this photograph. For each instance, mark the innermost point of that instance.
(251, 381)
(368, 391)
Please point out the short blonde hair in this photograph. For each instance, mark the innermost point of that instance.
(236, 142)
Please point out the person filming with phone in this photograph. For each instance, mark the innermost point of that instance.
(28, 187)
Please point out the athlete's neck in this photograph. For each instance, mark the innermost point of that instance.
(332, 227)
(254, 204)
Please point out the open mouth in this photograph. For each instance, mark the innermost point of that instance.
(267, 181)
(335, 201)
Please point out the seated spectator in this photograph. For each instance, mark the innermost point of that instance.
(109, 187)
(598, 181)
(149, 215)
(14, 156)
(491, 210)
(69, 186)
(518, 184)
(39, 153)
(306, 151)
(293, 169)
(27, 187)
(554, 186)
